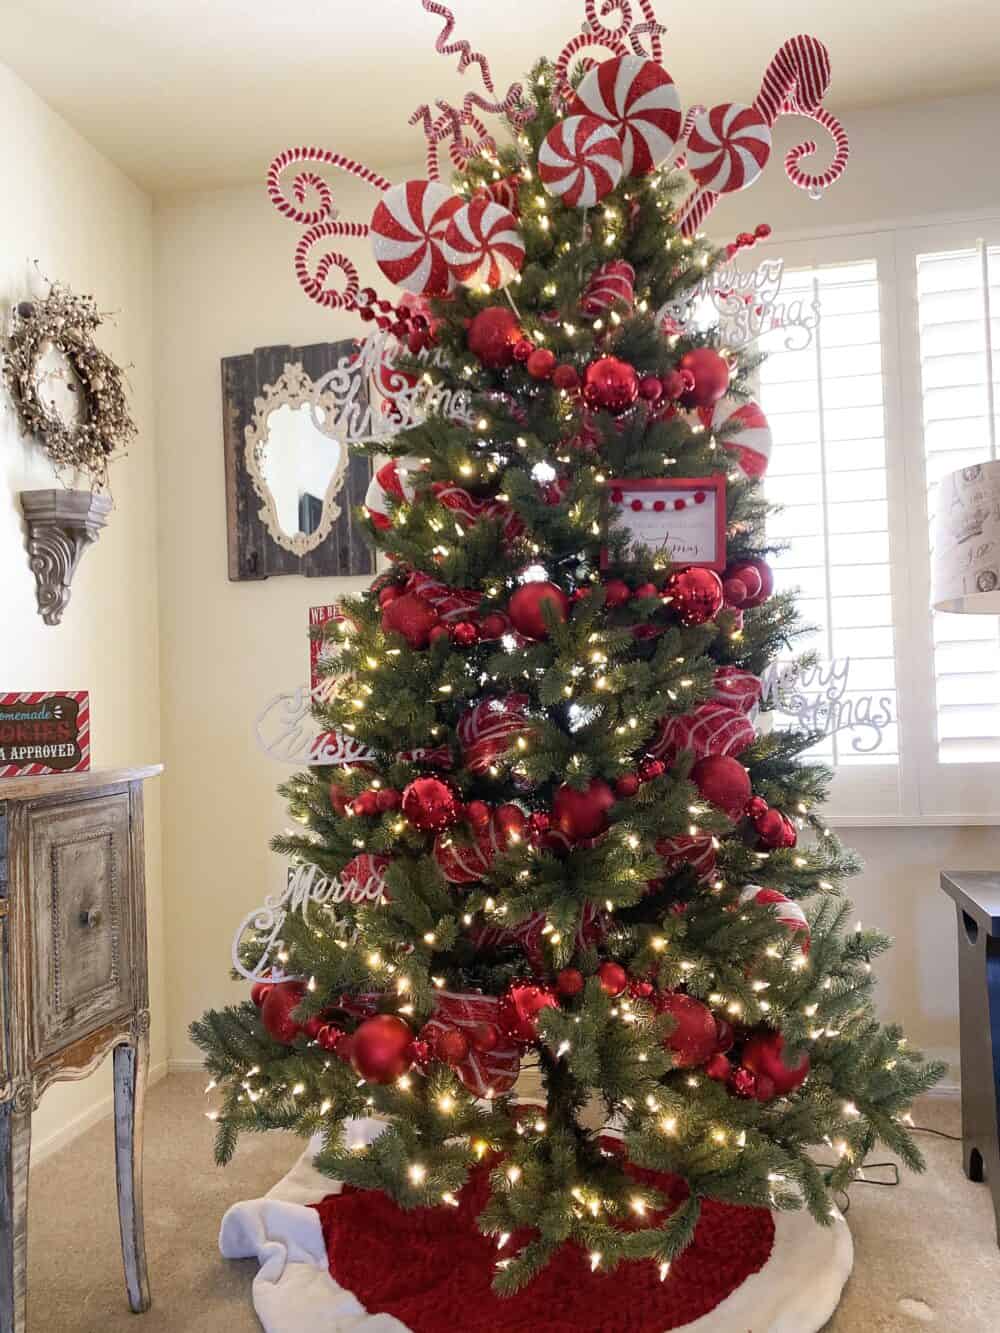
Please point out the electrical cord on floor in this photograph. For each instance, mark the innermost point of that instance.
(939, 1133)
(842, 1194)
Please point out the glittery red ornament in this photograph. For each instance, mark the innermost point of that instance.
(583, 814)
(420, 1051)
(764, 1056)
(465, 633)
(276, 1010)
(652, 768)
(743, 1082)
(389, 594)
(627, 786)
(646, 590)
(493, 626)
(758, 578)
(388, 799)
(520, 1007)
(430, 804)
(775, 830)
(484, 1037)
(650, 388)
(380, 1051)
(511, 821)
(610, 385)
(756, 807)
(478, 814)
(540, 822)
(613, 979)
(711, 377)
(492, 336)
(616, 593)
(723, 782)
(565, 377)
(451, 1046)
(525, 608)
(694, 1035)
(523, 349)
(569, 981)
(674, 384)
(695, 594)
(641, 990)
(366, 803)
(541, 363)
(412, 616)
(719, 1068)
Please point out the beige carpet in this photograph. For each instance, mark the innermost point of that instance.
(926, 1253)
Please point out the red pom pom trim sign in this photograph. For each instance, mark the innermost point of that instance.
(44, 733)
(684, 518)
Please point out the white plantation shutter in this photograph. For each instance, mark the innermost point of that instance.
(958, 305)
(826, 406)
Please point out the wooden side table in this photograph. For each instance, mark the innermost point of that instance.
(977, 900)
(73, 987)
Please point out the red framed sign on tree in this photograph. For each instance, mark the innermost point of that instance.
(684, 518)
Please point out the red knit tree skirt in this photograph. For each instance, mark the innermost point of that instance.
(432, 1269)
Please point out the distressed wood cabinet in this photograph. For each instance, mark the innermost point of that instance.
(73, 987)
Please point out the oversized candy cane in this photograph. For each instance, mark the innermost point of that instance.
(817, 184)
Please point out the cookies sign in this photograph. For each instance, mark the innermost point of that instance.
(44, 733)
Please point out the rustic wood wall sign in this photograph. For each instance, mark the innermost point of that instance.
(44, 733)
(291, 486)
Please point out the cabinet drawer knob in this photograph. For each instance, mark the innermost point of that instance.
(91, 918)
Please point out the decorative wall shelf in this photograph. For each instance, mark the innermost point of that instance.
(61, 525)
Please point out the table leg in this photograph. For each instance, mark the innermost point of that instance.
(15, 1154)
(131, 1067)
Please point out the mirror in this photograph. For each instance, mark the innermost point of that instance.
(297, 468)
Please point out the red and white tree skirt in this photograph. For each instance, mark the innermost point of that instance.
(746, 1270)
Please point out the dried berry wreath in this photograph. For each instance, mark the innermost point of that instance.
(64, 322)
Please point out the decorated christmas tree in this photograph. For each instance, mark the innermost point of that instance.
(559, 834)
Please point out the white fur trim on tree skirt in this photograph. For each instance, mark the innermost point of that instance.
(796, 1291)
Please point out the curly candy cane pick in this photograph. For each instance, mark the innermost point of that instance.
(314, 284)
(627, 27)
(292, 208)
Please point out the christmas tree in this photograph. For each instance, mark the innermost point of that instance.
(563, 835)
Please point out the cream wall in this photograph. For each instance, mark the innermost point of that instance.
(67, 207)
(225, 285)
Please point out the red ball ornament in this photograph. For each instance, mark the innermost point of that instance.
(439, 632)
(695, 594)
(412, 616)
(451, 1046)
(641, 990)
(616, 593)
(674, 384)
(380, 1051)
(613, 979)
(493, 626)
(541, 363)
(519, 1010)
(627, 786)
(510, 821)
(583, 814)
(259, 990)
(313, 1026)
(465, 633)
(540, 822)
(365, 804)
(775, 830)
(725, 1037)
(743, 1083)
(389, 594)
(735, 592)
(610, 385)
(388, 799)
(276, 1010)
(758, 578)
(650, 388)
(646, 590)
(694, 1035)
(565, 377)
(764, 1055)
(719, 1068)
(569, 981)
(711, 377)
(651, 768)
(484, 1037)
(723, 782)
(492, 336)
(430, 804)
(525, 608)
(523, 349)
(478, 814)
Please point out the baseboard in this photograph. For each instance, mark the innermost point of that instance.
(186, 1066)
(43, 1148)
(944, 1091)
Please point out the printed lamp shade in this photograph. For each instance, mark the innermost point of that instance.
(967, 541)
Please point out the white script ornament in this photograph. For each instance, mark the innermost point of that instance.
(747, 304)
(813, 697)
(285, 731)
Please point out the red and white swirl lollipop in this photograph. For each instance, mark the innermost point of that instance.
(751, 440)
(639, 99)
(580, 160)
(482, 245)
(729, 147)
(407, 231)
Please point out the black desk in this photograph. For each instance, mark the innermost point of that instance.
(976, 895)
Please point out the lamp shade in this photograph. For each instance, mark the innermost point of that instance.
(967, 541)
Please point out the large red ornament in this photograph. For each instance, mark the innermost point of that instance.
(570, 981)
(695, 1036)
(763, 1055)
(525, 608)
(276, 1010)
(613, 978)
(380, 1051)
(610, 385)
(492, 334)
(430, 804)
(488, 729)
(583, 814)
(756, 576)
(711, 377)
(695, 594)
(724, 783)
(519, 1010)
(412, 616)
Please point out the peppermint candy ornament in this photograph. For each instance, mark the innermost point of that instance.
(488, 730)
(391, 481)
(407, 231)
(482, 245)
(611, 284)
(751, 440)
(789, 913)
(580, 161)
(639, 100)
(728, 147)
(710, 729)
